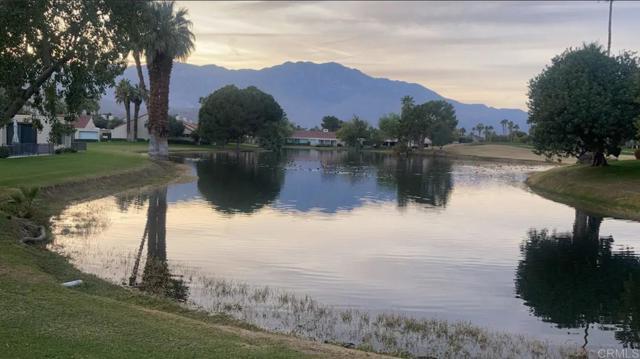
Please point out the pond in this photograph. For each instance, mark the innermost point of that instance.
(270, 239)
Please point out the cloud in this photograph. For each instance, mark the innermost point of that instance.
(470, 51)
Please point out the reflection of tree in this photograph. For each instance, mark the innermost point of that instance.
(156, 277)
(574, 280)
(125, 200)
(240, 182)
(418, 179)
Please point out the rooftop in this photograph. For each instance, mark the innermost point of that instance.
(314, 134)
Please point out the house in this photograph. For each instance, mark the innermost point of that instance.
(27, 135)
(313, 138)
(86, 130)
(120, 132)
(390, 142)
(189, 128)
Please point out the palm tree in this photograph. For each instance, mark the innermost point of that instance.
(138, 95)
(170, 38)
(516, 128)
(510, 125)
(123, 95)
(488, 131)
(504, 126)
(480, 127)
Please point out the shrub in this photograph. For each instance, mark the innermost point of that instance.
(60, 151)
(4, 152)
(21, 204)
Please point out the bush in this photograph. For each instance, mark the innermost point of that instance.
(180, 141)
(60, 151)
(4, 152)
(637, 154)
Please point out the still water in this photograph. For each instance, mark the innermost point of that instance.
(419, 237)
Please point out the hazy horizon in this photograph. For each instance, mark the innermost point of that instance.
(474, 52)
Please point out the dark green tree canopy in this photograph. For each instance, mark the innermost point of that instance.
(585, 101)
(231, 113)
(61, 49)
(331, 123)
(389, 126)
(354, 132)
(176, 127)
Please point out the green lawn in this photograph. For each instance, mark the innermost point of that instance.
(40, 318)
(612, 190)
(49, 170)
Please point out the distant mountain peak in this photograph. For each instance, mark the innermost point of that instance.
(307, 91)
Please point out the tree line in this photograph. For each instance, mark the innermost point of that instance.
(73, 50)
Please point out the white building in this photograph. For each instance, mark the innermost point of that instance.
(313, 138)
(86, 130)
(120, 132)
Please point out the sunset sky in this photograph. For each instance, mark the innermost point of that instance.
(475, 52)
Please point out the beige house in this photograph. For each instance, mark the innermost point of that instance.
(86, 130)
(120, 132)
(30, 135)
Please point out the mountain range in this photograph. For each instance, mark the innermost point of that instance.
(308, 91)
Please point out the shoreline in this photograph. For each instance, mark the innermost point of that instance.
(612, 191)
(151, 174)
(246, 339)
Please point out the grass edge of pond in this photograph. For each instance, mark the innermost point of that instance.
(611, 191)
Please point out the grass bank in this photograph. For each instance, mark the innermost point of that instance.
(40, 318)
(613, 190)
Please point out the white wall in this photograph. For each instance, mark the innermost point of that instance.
(120, 132)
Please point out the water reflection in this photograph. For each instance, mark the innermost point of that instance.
(156, 277)
(576, 280)
(326, 181)
(240, 182)
(420, 180)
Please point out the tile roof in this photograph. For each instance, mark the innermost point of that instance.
(82, 121)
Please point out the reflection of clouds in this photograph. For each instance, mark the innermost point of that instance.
(454, 263)
(84, 220)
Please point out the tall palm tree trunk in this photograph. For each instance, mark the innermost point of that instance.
(136, 113)
(159, 79)
(136, 58)
(127, 110)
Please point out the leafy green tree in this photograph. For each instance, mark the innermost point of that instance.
(389, 125)
(442, 121)
(273, 135)
(90, 106)
(231, 113)
(331, 123)
(123, 94)
(354, 132)
(584, 102)
(61, 49)
(168, 37)
(176, 127)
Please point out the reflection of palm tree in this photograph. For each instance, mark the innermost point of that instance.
(241, 182)
(156, 277)
(574, 279)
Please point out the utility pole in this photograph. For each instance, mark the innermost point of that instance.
(609, 42)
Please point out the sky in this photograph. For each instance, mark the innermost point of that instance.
(474, 52)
